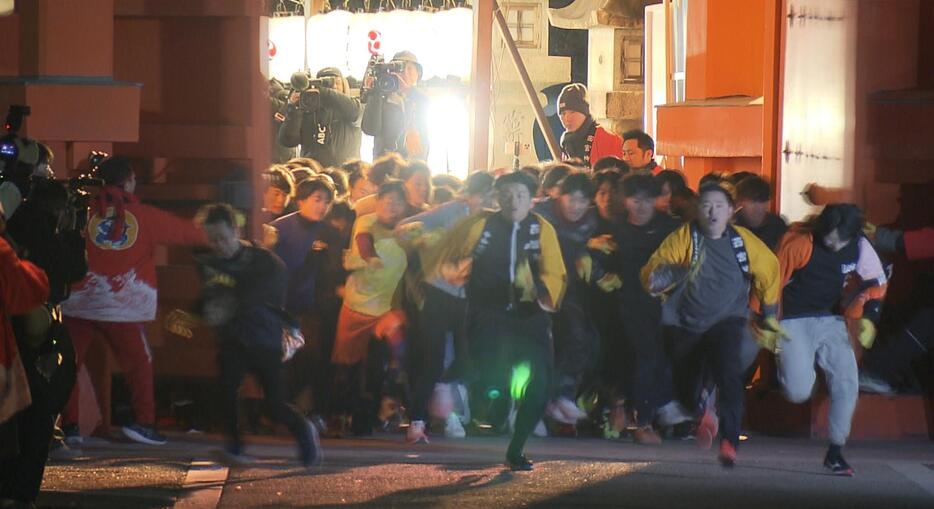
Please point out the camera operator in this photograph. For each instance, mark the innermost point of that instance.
(43, 229)
(398, 119)
(323, 118)
(278, 104)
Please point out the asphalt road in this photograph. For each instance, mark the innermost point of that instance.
(384, 472)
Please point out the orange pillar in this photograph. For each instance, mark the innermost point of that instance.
(733, 50)
(59, 61)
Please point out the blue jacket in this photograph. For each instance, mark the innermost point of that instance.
(312, 255)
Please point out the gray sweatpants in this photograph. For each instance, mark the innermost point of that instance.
(823, 340)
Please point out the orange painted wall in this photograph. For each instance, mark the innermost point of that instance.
(58, 58)
(887, 59)
(725, 57)
(725, 48)
(66, 38)
(193, 68)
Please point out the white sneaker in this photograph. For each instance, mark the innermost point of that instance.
(461, 403)
(416, 433)
(571, 410)
(874, 385)
(453, 427)
(540, 429)
(672, 413)
(442, 401)
(556, 413)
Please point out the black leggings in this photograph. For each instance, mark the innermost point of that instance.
(500, 341)
(647, 372)
(235, 361)
(717, 348)
(441, 315)
(577, 349)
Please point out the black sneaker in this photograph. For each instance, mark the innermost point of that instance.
(837, 465)
(59, 450)
(311, 453)
(231, 460)
(519, 463)
(72, 435)
(143, 435)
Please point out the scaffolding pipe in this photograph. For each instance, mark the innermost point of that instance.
(530, 91)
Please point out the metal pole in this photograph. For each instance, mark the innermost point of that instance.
(307, 9)
(530, 91)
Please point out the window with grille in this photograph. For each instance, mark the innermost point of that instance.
(632, 59)
(524, 22)
(679, 35)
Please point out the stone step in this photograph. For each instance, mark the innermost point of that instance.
(877, 417)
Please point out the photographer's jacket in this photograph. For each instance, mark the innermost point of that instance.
(122, 236)
(329, 135)
(398, 124)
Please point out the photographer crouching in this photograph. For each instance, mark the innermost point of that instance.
(323, 118)
(44, 227)
(396, 111)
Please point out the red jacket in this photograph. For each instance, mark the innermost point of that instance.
(121, 282)
(919, 244)
(23, 286)
(605, 144)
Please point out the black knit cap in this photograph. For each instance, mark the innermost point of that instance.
(332, 72)
(574, 97)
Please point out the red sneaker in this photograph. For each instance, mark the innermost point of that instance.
(727, 453)
(706, 430)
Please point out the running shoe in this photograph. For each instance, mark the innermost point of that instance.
(143, 434)
(72, 434)
(646, 435)
(706, 430)
(519, 463)
(727, 453)
(229, 459)
(453, 427)
(311, 454)
(834, 462)
(416, 433)
(874, 385)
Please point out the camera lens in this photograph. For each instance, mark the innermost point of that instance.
(310, 100)
(387, 83)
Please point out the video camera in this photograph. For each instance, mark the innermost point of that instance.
(384, 74)
(10, 144)
(302, 81)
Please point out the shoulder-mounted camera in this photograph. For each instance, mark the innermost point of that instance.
(310, 99)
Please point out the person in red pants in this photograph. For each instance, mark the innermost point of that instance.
(118, 295)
